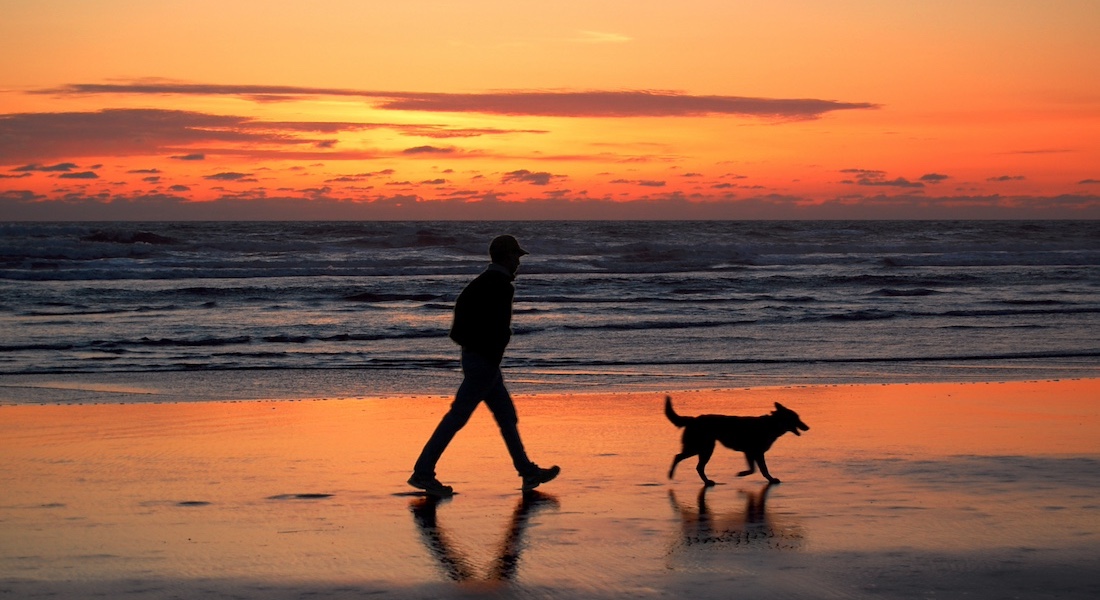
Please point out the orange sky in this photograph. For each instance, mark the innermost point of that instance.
(513, 109)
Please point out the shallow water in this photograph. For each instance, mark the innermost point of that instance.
(289, 310)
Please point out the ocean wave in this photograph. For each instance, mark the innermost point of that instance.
(315, 296)
(904, 293)
(997, 258)
(861, 315)
(129, 237)
(1008, 312)
(642, 325)
(121, 345)
(84, 311)
(391, 297)
(660, 364)
(759, 360)
(205, 341)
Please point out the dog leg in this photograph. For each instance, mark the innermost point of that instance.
(676, 460)
(764, 469)
(704, 458)
(750, 470)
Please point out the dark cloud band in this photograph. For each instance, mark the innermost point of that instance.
(635, 103)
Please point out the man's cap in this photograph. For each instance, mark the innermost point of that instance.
(504, 245)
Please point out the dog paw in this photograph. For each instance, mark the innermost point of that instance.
(773, 480)
(709, 483)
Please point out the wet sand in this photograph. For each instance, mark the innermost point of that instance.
(983, 490)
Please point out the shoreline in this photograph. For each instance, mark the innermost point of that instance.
(896, 491)
(90, 389)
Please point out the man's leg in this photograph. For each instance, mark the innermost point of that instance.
(476, 383)
(500, 403)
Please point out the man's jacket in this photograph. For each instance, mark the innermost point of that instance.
(483, 314)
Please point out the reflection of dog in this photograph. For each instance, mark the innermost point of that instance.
(751, 435)
(754, 528)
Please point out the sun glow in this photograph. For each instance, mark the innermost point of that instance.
(704, 110)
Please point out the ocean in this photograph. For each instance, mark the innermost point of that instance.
(146, 312)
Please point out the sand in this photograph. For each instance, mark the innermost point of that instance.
(985, 490)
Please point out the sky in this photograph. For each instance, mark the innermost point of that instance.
(516, 109)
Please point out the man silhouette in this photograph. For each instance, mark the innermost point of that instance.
(482, 326)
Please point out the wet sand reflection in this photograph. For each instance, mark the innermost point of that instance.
(455, 564)
(752, 527)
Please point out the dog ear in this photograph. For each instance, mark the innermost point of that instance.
(779, 406)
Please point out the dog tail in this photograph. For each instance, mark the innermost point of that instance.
(676, 419)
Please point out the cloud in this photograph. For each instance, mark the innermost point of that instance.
(116, 132)
(358, 177)
(428, 150)
(138, 132)
(933, 177)
(135, 132)
(899, 182)
(525, 176)
(641, 182)
(325, 204)
(1088, 182)
(878, 178)
(864, 173)
(62, 167)
(443, 132)
(630, 103)
(1006, 178)
(79, 175)
(15, 197)
(228, 177)
(615, 104)
(19, 176)
(157, 86)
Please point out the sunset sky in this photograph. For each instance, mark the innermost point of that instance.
(515, 109)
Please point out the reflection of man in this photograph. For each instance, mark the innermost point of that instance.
(482, 327)
(456, 565)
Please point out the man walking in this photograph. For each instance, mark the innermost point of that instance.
(482, 326)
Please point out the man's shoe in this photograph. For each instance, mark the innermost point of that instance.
(539, 476)
(431, 485)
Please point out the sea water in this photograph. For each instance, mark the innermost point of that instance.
(244, 310)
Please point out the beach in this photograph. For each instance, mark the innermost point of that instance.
(948, 490)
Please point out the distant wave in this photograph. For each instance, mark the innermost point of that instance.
(643, 325)
(282, 338)
(376, 297)
(129, 237)
(903, 293)
(861, 315)
(756, 360)
(253, 361)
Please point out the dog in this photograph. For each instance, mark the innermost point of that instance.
(751, 435)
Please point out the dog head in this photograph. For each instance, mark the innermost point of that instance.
(790, 420)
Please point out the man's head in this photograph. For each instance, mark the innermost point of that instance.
(505, 250)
